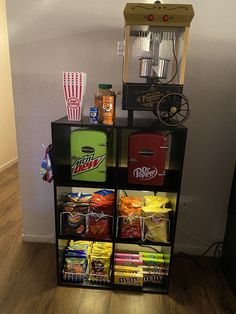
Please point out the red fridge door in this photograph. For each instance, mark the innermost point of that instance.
(146, 158)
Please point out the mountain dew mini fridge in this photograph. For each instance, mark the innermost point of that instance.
(88, 155)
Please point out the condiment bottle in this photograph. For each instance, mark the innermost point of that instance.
(108, 109)
(103, 90)
(93, 114)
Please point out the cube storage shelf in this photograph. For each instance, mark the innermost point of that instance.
(117, 180)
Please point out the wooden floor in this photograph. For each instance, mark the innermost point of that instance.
(28, 281)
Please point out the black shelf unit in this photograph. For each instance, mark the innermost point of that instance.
(117, 181)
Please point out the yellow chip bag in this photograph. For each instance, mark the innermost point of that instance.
(156, 222)
(159, 201)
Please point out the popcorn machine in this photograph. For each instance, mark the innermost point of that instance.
(155, 53)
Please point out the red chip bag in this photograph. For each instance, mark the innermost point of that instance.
(99, 227)
(102, 202)
(130, 217)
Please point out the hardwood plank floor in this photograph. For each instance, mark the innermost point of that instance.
(28, 277)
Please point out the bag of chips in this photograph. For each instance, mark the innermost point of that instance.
(158, 201)
(102, 202)
(156, 223)
(99, 266)
(75, 221)
(130, 217)
(99, 226)
(100, 217)
(81, 198)
(75, 265)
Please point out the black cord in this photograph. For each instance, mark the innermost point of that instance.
(218, 249)
(125, 192)
(150, 247)
(193, 259)
(176, 65)
(197, 259)
(208, 249)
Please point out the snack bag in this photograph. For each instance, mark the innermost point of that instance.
(69, 207)
(75, 221)
(156, 223)
(81, 245)
(102, 201)
(158, 201)
(75, 265)
(76, 261)
(130, 217)
(100, 218)
(99, 226)
(80, 198)
(99, 266)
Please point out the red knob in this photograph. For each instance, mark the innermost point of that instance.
(165, 18)
(150, 17)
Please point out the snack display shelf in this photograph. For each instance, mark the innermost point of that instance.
(117, 181)
(77, 238)
(123, 123)
(142, 243)
(117, 240)
(85, 284)
(110, 286)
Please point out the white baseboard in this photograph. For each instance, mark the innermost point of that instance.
(48, 238)
(8, 164)
(192, 249)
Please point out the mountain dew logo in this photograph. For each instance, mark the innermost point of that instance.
(86, 163)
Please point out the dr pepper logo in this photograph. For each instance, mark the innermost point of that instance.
(145, 173)
(86, 163)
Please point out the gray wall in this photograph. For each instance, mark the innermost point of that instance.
(54, 36)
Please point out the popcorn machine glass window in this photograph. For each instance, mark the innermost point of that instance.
(155, 52)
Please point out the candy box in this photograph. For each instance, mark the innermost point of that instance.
(127, 255)
(128, 278)
(151, 255)
(154, 278)
(128, 262)
(121, 268)
(153, 261)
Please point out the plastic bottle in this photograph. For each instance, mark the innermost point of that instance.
(93, 114)
(108, 109)
(103, 90)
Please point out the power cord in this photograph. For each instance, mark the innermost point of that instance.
(150, 247)
(176, 65)
(197, 259)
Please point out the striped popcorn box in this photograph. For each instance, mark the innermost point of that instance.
(74, 84)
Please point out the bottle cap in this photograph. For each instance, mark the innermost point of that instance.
(105, 86)
(93, 109)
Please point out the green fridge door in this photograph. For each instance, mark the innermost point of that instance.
(88, 155)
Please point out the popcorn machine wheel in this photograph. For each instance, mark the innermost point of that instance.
(155, 54)
(173, 109)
